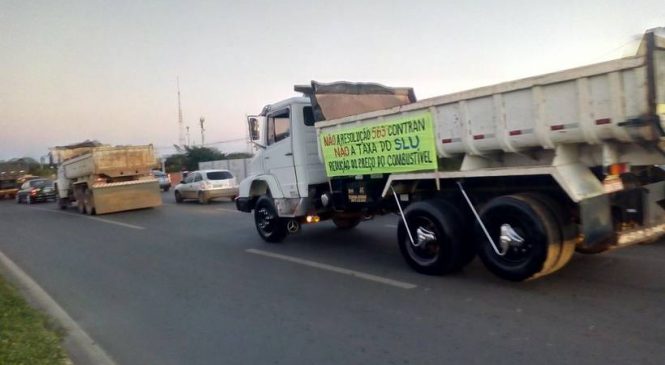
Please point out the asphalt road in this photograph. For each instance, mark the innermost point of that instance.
(192, 284)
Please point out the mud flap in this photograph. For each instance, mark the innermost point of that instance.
(116, 197)
(597, 225)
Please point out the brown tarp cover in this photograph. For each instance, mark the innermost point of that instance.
(342, 99)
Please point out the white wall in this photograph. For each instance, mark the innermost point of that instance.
(238, 167)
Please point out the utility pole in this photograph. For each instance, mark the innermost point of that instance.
(181, 131)
(201, 121)
(187, 135)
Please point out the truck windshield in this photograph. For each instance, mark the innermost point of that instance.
(219, 175)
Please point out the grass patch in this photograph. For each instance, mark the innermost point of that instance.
(26, 335)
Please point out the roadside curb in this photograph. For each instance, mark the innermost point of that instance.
(80, 347)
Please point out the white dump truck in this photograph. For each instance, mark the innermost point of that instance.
(521, 173)
(104, 179)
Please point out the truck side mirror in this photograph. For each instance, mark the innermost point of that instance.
(254, 128)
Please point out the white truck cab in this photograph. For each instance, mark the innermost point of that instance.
(286, 163)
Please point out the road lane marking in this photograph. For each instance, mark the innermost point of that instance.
(90, 350)
(104, 220)
(337, 269)
(229, 210)
(116, 223)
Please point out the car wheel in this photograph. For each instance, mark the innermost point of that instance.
(178, 197)
(28, 200)
(270, 226)
(18, 199)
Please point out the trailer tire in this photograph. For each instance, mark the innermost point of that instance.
(89, 201)
(270, 226)
(534, 223)
(345, 223)
(437, 229)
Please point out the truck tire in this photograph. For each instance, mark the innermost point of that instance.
(536, 244)
(89, 201)
(270, 226)
(62, 203)
(568, 231)
(178, 197)
(345, 223)
(437, 231)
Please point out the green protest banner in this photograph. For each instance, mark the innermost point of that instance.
(402, 144)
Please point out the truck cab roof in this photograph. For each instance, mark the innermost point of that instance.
(284, 103)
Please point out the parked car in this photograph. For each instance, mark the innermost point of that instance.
(205, 185)
(164, 180)
(36, 190)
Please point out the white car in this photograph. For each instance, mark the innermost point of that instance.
(205, 185)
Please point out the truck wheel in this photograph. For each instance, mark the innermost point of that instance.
(202, 198)
(89, 201)
(345, 223)
(62, 203)
(178, 197)
(568, 231)
(437, 231)
(269, 225)
(80, 205)
(526, 230)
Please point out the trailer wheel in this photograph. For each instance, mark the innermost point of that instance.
(437, 231)
(526, 230)
(89, 201)
(178, 197)
(345, 223)
(270, 226)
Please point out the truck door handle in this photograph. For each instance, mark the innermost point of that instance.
(288, 154)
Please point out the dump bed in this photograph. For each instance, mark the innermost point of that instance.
(620, 100)
(111, 161)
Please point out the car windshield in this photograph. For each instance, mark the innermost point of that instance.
(219, 175)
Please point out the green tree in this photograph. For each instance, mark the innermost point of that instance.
(189, 160)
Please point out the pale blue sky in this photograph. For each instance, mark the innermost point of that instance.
(106, 70)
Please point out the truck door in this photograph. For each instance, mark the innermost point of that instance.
(278, 156)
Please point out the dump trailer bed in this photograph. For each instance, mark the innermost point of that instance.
(620, 100)
(107, 179)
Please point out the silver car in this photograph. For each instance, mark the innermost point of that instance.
(205, 185)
